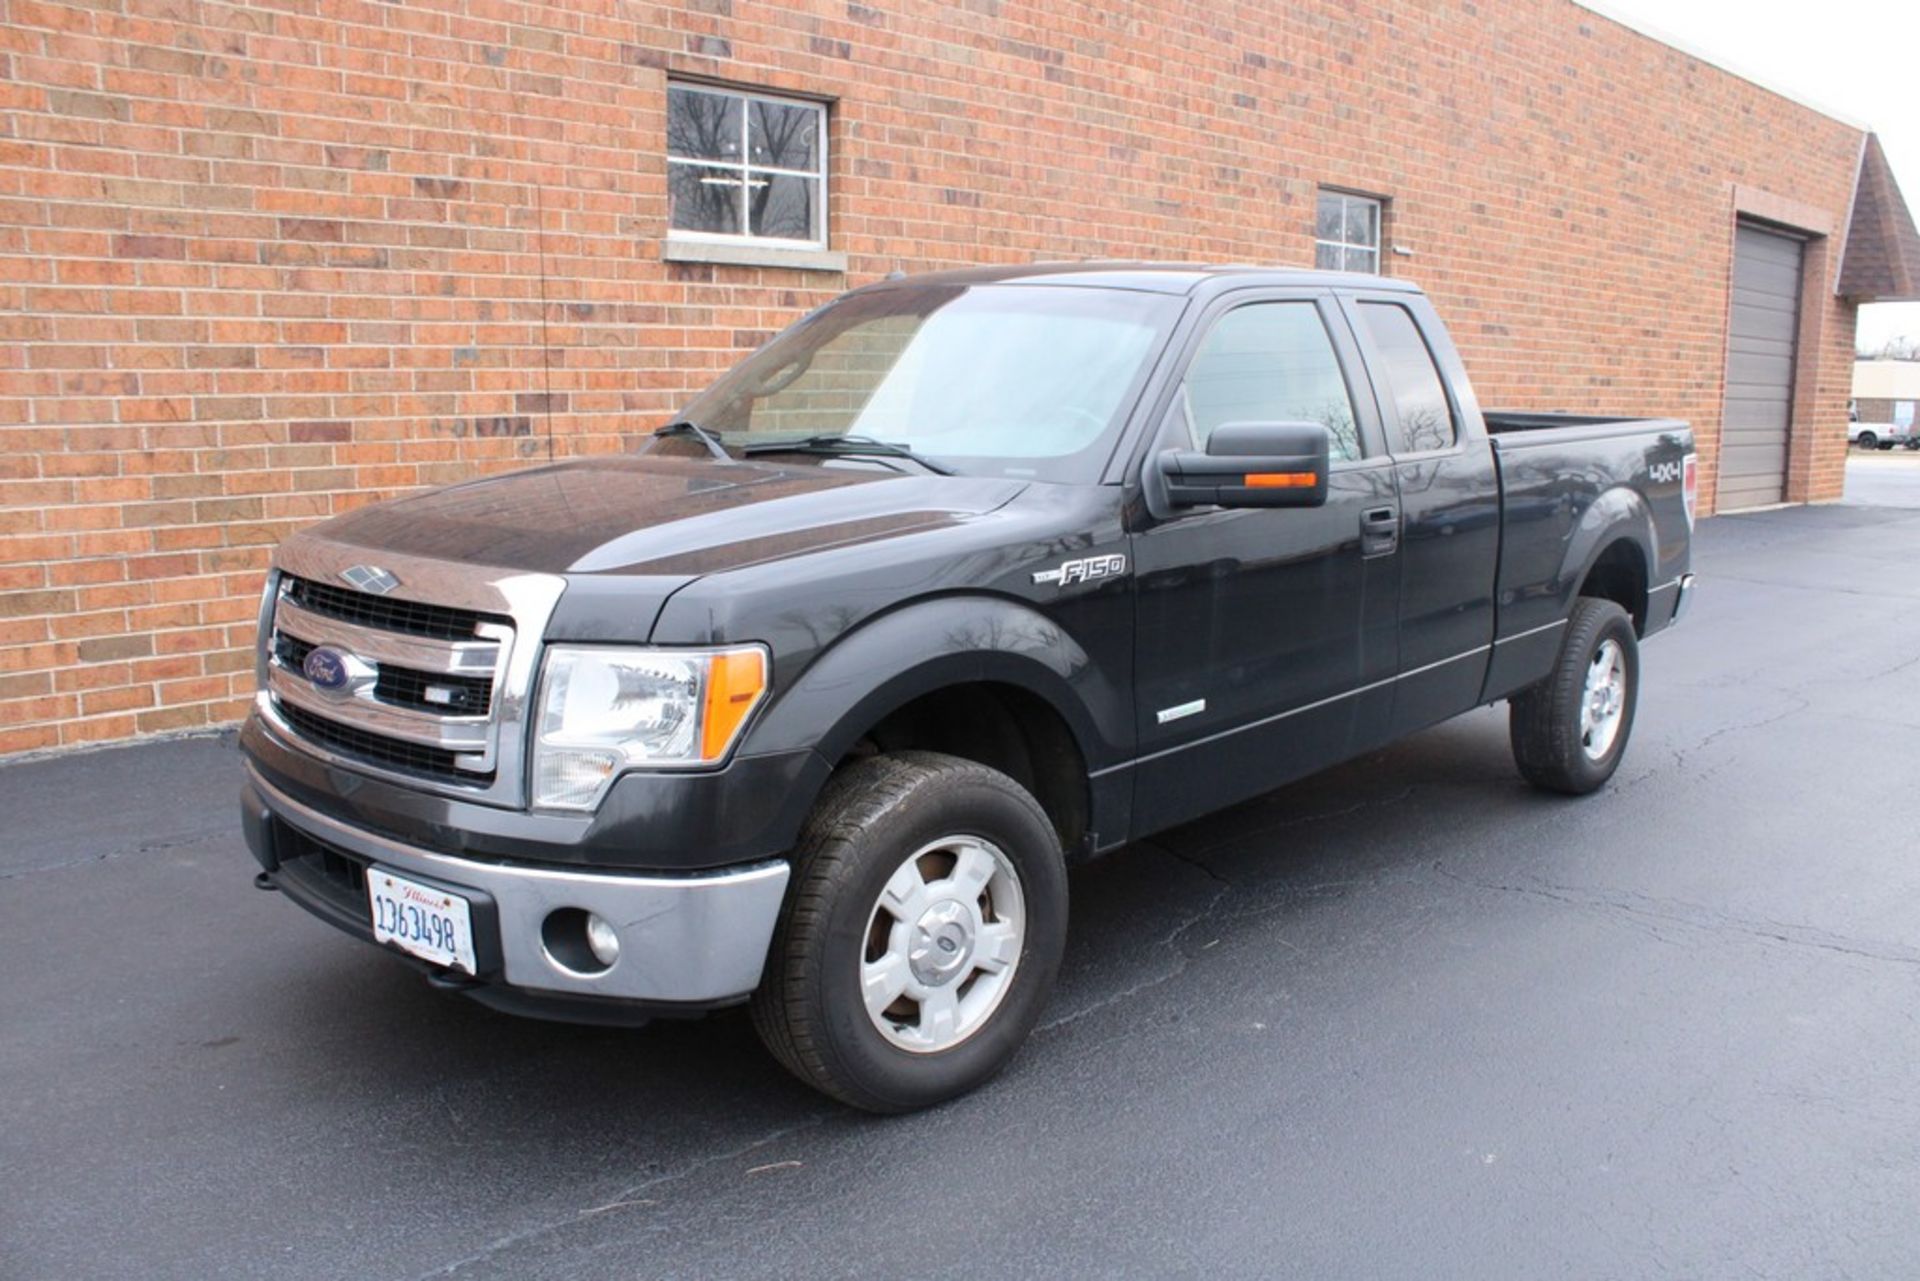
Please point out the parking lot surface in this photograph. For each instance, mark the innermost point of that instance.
(1406, 1018)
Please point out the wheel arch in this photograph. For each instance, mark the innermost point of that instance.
(982, 678)
(1613, 553)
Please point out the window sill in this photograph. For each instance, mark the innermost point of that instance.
(752, 255)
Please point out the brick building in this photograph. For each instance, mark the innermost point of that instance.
(263, 260)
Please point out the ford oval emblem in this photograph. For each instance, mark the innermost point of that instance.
(326, 667)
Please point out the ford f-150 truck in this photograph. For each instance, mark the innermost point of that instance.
(810, 703)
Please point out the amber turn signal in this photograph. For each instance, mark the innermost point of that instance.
(1280, 480)
(736, 679)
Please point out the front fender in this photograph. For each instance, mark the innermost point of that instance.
(930, 645)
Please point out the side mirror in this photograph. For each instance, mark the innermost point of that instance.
(1252, 465)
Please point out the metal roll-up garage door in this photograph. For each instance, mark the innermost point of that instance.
(1761, 345)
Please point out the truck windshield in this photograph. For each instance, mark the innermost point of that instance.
(985, 380)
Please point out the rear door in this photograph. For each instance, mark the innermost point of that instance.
(1449, 506)
(1260, 631)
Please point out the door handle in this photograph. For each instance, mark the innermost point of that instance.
(1379, 530)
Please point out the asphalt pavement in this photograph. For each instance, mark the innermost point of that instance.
(1404, 1019)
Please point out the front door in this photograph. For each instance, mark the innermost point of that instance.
(1265, 641)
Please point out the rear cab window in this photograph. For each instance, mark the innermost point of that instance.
(1409, 382)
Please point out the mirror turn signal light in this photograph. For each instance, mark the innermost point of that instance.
(1280, 480)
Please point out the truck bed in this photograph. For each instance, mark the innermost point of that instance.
(1513, 427)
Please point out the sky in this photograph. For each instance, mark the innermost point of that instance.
(1856, 59)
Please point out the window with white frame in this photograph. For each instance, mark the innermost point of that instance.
(746, 167)
(1346, 233)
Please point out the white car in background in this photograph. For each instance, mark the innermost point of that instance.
(1882, 435)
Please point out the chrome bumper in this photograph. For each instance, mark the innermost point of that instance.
(699, 938)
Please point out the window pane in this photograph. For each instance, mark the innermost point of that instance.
(1326, 257)
(1361, 260)
(782, 206)
(1409, 378)
(1269, 363)
(783, 136)
(1329, 221)
(1363, 222)
(703, 199)
(703, 126)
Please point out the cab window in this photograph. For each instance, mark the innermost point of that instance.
(1408, 377)
(1269, 362)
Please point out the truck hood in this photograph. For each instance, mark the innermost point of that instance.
(662, 517)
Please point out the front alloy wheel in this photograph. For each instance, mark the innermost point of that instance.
(921, 933)
(943, 944)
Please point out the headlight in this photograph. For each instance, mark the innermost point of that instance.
(605, 710)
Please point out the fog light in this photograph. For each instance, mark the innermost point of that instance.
(579, 942)
(602, 941)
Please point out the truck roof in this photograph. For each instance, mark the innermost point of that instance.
(1152, 277)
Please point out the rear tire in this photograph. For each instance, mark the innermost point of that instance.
(1867, 440)
(1570, 730)
(921, 934)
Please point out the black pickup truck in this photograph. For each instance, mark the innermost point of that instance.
(810, 703)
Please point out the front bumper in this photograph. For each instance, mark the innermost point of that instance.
(687, 941)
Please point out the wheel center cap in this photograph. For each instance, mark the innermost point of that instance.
(942, 943)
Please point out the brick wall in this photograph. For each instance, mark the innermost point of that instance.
(262, 262)
(1875, 410)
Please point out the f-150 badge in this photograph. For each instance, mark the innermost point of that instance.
(1085, 570)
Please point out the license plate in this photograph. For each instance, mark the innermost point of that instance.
(429, 923)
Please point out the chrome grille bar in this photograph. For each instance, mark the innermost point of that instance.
(456, 658)
(469, 735)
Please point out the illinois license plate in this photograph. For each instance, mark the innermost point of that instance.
(429, 923)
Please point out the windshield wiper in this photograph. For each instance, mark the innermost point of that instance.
(846, 446)
(688, 427)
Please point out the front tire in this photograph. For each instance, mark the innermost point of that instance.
(1570, 730)
(921, 936)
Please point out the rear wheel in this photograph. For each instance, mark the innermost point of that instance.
(1570, 730)
(1867, 440)
(921, 936)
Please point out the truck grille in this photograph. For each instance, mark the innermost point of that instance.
(386, 613)
(417, 686)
